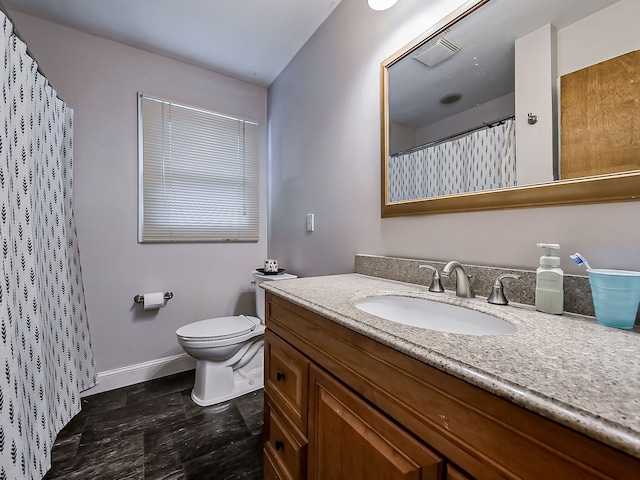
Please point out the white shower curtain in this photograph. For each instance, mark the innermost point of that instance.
(46, 358)
(481, 160)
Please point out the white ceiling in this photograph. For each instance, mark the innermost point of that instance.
(252, 40)
(484, 68)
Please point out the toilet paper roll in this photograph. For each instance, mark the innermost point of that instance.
(153, 301)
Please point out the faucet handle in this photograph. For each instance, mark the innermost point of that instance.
(436, 285)
(497, 292)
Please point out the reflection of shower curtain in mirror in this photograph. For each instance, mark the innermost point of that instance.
(45, 351)
(481, 160)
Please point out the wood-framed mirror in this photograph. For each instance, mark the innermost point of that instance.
(508, 77)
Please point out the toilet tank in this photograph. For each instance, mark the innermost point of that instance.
(259, 278)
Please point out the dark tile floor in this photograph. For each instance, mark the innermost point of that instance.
(154, 431)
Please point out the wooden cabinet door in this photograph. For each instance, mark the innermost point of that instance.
(600, 132)
(349, 439)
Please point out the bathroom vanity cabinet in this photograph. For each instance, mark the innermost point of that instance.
(339, 405)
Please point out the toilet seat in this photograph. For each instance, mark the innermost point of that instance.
(221, 330)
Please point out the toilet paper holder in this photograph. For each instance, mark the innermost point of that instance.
(140, 298)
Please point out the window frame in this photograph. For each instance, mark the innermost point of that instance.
(177, 232)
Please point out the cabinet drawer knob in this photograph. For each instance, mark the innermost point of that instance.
(279, 376)
(279, 445)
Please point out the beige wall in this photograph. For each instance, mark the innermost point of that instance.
(609, 33)
(99, 79)
(324, 132)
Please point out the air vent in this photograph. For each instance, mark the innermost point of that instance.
(437, 52)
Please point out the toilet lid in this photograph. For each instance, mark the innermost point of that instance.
(219, 327)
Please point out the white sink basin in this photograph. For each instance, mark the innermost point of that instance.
(419, 312)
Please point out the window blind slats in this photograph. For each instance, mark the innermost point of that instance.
(200, 175)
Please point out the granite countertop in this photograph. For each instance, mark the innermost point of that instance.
(565, 367)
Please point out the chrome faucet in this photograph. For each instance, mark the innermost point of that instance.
(463, 281)
(497, 292)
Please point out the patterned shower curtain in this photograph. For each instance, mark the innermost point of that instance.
(46, 358)
(481, 160)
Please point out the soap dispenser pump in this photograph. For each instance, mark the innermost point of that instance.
(549, 281)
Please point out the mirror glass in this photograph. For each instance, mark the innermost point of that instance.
(510, 103)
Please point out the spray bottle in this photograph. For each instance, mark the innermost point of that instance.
(549, 281)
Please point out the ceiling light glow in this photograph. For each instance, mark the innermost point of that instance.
(381, 4)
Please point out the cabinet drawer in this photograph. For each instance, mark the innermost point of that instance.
(287, 377)
(286, 448)
(272, 470)
(454, 473)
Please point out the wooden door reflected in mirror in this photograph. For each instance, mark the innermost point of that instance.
(600, 118)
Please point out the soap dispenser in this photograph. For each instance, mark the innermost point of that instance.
(549, 281)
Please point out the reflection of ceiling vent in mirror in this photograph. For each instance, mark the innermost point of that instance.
(437, 52)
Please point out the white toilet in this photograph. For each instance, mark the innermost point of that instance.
(228, 350)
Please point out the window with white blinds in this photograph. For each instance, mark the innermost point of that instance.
(198, 174)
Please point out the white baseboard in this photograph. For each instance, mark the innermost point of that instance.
(141, 372)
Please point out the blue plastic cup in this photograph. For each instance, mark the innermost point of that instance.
(616, 296)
